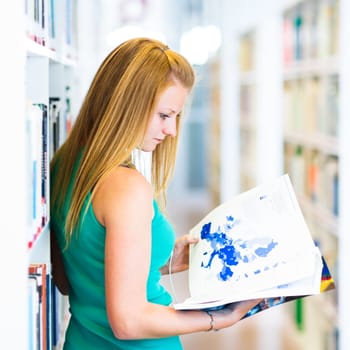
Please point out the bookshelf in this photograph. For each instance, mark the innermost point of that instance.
(38, 72)
(259, 99)
(247, 110)
(313, 79)
(312, 155)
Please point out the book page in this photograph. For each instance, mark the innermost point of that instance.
(257, 241)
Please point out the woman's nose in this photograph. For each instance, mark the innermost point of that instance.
(170, 127)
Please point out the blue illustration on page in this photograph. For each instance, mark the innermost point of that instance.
(233, 251)
(256, 245)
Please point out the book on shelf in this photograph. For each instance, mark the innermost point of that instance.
(246, 52)
(39, 305)
(56, 316)
(55, 113)
(36, 20)
(37, 163)
(44, 164)
(255, 246)
(33, 312)
(60, 120)
(62, 27)
(310, 31)
(315, 177)
(34, 127)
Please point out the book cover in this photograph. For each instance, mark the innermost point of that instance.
(256, 245)
(326, 284)
(44, 164)
(55, 124)
(39, 272)
(35, 166)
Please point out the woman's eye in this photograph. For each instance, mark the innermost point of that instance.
(163, 116)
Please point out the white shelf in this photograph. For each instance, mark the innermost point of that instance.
(325, 144)
(39, 249)
(311, 68)
(35, 49)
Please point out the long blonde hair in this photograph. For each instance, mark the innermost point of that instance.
(113, 120)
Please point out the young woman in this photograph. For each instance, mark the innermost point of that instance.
(110, 240)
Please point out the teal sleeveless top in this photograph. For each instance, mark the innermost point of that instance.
(88, 327)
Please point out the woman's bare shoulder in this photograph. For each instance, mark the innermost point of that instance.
(120, 189)
(128, 179)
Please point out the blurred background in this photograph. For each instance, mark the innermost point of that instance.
(273, 78)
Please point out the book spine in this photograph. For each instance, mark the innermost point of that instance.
(44, 180)
(39, 272)
(34, 130)
(33, 313)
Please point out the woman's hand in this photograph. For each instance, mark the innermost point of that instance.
(242, 307)
(232, 313)
(180, 258)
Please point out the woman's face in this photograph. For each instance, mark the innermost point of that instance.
(163, 122)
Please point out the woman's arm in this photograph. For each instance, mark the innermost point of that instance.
(123, 204)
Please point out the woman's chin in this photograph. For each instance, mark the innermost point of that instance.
(149, 148)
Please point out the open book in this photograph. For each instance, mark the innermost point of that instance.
(256, 245)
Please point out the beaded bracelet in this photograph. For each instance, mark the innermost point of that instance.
(211, 321)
